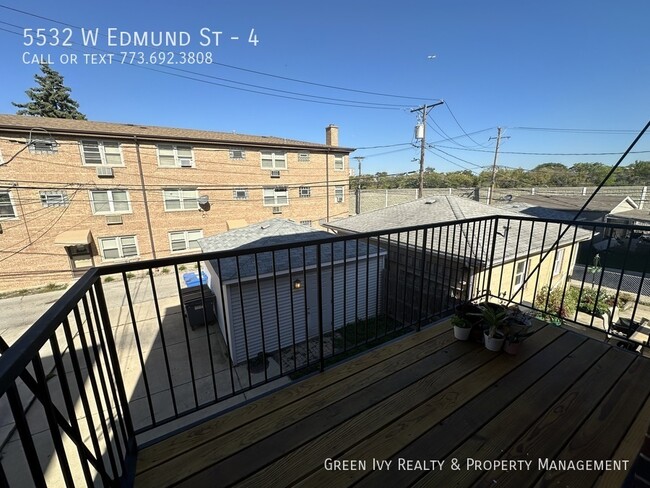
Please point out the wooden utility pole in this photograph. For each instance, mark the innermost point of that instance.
(425, 110)
(494, 164)
(358, 200)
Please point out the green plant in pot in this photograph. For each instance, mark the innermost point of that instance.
(462, 327)
(515, 334)
(493, 317)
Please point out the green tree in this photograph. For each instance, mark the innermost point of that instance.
(51, 98)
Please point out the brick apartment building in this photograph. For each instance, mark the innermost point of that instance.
(76, 194)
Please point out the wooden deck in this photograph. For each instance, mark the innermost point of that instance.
(428, 398)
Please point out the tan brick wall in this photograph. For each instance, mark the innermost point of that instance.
(29, 257)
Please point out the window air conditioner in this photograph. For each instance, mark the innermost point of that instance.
(339, 199)
(186, 163)
(275, 173)
(105, 172)
(114, 219)
(277, 210)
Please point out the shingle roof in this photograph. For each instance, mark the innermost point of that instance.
(634, 214)
(86, 127)
(466, 240)
(275, 232)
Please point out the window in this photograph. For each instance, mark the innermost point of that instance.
(184, 240)
(339, 163)
(54, 198)
(339, 194)
(99, 152)
(118, 247)
(303, 157)
(43, 145)
(237, 154)
(240, 193)
(172, 156)
(304, 191)
(181, 199)
(276, 196)
(274, 160)
(520, 274)
(557, 264)
(306, 222)
(7, 209)
(110, 201)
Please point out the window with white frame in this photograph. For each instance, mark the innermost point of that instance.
(175, 156)
(54, 198)
(303, 157)
(520, 274)
(110, 201)
(7, 209)
(306, 222)
(184, 240)
(101, 153)
(304, 191)
(276, 196)
(339, 194)
(274, 160)
(121, 247)
(240, 194)
(557, 264)
(43, 145)
(339, 163)
(180, 199)
(237, 154)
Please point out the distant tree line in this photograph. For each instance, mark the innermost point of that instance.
(546, 174)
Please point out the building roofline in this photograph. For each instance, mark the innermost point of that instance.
(85, 128)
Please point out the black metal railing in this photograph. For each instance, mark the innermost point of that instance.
(131, 352)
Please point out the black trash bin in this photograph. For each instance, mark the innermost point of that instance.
(193, 306)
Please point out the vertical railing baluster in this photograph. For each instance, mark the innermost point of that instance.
(138, 345)
(207, 331)
(187, 336)
(164, 342)
(293, 312)
(243, 320)
(225, 326)
(261, 309)
(25, 434)
(422, 268)
(319, 273)
(277, 308)
(55, 433)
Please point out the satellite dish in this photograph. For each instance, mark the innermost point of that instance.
(203, 200)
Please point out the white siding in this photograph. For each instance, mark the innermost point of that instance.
(282, 331)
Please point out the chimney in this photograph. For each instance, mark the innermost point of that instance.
(332, 135)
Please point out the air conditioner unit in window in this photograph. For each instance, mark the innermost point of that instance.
(277, 210)
(105, 172)
(275, 173)
(339, 199)
(186, 163)
(114, 219)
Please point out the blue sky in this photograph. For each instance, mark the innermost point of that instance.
(554, 64)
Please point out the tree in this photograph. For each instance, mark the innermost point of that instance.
(51, 98)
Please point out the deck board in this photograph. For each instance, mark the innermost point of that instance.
(426, 396)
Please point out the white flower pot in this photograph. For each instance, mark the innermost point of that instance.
(493, 343)
(462, 333)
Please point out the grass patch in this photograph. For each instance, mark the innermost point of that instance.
(182, 267)
(33, 291)
(165, 271)
(108, 279)
(130, 275)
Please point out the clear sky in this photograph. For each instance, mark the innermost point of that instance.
(565, 64)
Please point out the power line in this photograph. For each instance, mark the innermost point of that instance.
(461, 127)
(543, 153)
(579, 131)
(449, 160)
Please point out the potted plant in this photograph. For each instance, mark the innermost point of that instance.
(514, 335)
(462, 328)
(493, 318)
(470, 313)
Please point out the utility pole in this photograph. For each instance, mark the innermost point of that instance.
(425, 110)
(358, 201)
(494, 164)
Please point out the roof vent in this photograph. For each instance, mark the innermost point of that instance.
(429, 202)
(265, 226)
